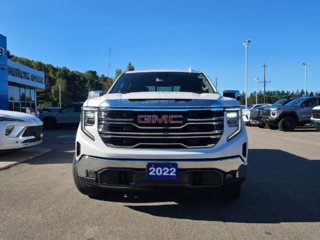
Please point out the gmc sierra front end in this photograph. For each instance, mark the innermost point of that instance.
(161, 130)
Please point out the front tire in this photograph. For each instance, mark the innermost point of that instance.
(287, 124)
(84, 188)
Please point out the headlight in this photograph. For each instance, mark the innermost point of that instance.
(88, 119)
(234, 120)
(9, 130)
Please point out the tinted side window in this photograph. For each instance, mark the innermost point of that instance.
(68, 109)
(310, 102)
(78, 108)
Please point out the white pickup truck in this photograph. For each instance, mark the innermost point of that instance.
(315, 118)
(161, 130)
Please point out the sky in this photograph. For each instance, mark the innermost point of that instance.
(206, 35)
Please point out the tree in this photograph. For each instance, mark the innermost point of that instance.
(65, 94)
(107, 85)
(242, 98)
(130, 67)
(9, 55)
(118, 73)
(301, 93)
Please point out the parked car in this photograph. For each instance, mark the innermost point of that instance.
(315, 119)
(39, 111)
(50, 109)
(246, 113)
(244, 106)
(287, 117)
(19, 130)
(64, 117)
(255, 115)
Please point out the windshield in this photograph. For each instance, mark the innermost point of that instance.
(163, 82)
(295, 102)
(253, 106)
(279, 103)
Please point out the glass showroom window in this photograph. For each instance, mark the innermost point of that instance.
(22, 94)
(13, 93)
(28, 99)
(14, 98)
(32, 97)
(21, 98)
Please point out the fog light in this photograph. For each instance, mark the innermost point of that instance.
(91, 174)
(9, 130)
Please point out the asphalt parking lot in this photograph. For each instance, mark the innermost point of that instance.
(279, 200)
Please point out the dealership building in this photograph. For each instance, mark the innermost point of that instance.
(18, 83)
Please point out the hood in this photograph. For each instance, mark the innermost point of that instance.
(269, 107)
(245, 111)
(286, 108)
(18, 115)
(161, 100)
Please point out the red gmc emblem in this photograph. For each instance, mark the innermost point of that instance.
(156, 119)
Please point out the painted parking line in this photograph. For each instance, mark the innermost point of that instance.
(67, 136)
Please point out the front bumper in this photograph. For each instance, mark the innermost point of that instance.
(226, 162)
(192, 174)
(18, 140)
(269, 120)
(315, 123)
(246, 118)
(256, 121)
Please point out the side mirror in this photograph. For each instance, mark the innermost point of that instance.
(232, 94)
(302, 105)
(60, 111)
(94, 94)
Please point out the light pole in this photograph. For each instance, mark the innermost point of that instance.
(60, 94)
(305, 78)
(257, 79)
(246, 45)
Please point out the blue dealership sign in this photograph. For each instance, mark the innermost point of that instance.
(3, 74)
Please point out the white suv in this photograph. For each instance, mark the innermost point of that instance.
(19, 130)
(67, 116)
(246, 113)
(161, 129)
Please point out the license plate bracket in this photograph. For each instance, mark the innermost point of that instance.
(162, 171)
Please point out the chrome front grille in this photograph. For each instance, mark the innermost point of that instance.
(316, 114)
(32, 131)
(195, 128)
(266, 113)
(253, 114)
